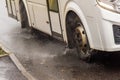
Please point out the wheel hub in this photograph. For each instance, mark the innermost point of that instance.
(81, 39)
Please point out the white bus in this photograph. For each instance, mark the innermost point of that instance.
(87, 25)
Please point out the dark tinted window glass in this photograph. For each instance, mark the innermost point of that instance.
(53, 5)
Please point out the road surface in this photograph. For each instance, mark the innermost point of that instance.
(8, 70)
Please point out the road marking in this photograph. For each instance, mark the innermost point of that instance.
(17, 63)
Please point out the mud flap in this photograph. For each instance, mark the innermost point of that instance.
(11, 8)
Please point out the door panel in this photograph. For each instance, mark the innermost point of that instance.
(54, 16)
(11, 8)
(41, 18)
(30, 7)
(55, 22)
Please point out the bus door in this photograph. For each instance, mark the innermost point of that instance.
(53, 8)
(11, 8)
(39, 15)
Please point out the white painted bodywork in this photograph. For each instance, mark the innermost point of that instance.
(55, 19)
(8, 4)
(96, 20)
(41, 18)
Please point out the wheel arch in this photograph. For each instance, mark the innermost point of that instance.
(26, 8)
(72, 6)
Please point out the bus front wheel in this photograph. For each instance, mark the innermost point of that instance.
(77, 37)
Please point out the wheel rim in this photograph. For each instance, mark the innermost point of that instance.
(81, 41)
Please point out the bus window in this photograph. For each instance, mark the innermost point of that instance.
(53, 5)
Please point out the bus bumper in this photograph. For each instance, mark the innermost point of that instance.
(109, 26)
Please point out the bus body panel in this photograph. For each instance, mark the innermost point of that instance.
(39, 15)
(42, 2)
(87, 17)
(32, 19)
(55, 19)
(65, 6)
(43, 19)
(94, 19)
(11, 6)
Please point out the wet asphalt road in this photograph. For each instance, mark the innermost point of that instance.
(45, 59)
(8, 70)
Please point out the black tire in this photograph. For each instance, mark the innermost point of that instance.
(23, 15)
(74, 23)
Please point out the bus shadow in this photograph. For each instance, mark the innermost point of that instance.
(110, 60)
